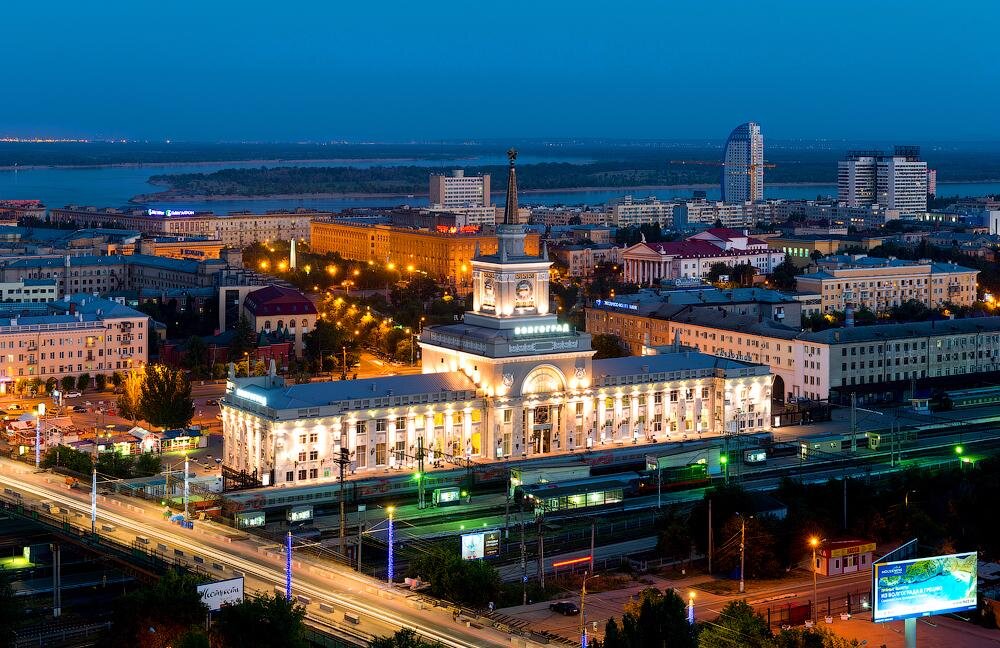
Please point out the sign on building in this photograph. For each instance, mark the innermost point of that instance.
(219, 593)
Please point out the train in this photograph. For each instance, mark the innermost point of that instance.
(401, 485)
(565, 498)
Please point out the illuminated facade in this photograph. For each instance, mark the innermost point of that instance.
(511, 380)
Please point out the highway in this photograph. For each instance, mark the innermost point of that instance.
(381, 610)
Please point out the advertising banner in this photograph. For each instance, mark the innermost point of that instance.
(483, 544)
(915, 588)
(219, 593)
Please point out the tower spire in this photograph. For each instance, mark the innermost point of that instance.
(510, 208)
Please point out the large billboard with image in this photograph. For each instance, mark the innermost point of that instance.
(915, 588)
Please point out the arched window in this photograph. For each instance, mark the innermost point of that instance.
(267, 325)
(281, 324)
(305, 324)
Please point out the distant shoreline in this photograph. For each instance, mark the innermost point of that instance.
(127, 165)
(167, 196)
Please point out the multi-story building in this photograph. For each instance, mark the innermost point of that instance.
(75, 335)
(628, 212)
(895, 182)
(931, 182)
(877, 362)
(802, 247)
(238, 229)
(182, 247)
(11, 211)
(29, 291)
(743, 165)
(581, 259)
(735, 215)
(879, 284)
(458, 190)
(443, 255)
(510, 381)
(282, 310)
(692, 258)
(103, 274)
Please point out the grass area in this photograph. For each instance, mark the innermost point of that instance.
(725, 586)
(15, 562)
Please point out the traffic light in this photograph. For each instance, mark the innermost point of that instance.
(417, 476)
(724, 459)
(959, 449)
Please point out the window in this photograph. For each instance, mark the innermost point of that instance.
(302, 474)
(302, 455)
(313, 455)
(289, 476)
(313, 473)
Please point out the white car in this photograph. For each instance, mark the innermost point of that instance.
(73, 394)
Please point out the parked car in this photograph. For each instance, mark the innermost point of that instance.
(13, 407)
(565, 608)
(73, 394)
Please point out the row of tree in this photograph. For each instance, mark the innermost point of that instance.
(109, 463)
(82, 382)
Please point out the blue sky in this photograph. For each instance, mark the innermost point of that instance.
(399, 70)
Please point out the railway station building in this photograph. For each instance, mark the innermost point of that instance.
(510, 381)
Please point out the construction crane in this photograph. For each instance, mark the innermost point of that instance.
(751, 169)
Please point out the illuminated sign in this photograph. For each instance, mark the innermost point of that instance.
(484, 544)
(907, 589)
(260, 399)
(170, 212)
(538, 330)
(300, 513)
(755, 456)
(227, 592)
(613, 304)
(570, 562)
(250, 519)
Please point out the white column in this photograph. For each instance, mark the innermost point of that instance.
(411, 436)
(429, 432)
(528, 432)
(467, 433)
(616, 421)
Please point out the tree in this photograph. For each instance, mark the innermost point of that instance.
(50, 385)
(718, 270)
(196, 357)
(114, 464)
(83, 382)
(68, 383)
(165, 399)
(737, 620)
(147, 464)
(100, 382)
(783, 277)
(270, 621)
(170, 607)
(245, 339)
(405, 638)
(653, 618)
(117, 379)
(131, 385)
(468, 582)
(742, 274)
(10, 611)
(67, 457)
(608, 346)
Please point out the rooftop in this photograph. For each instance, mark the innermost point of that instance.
(968, 325)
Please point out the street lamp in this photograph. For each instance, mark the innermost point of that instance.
(389, 571)
(38, 435)
(583, 609)
(814, 542)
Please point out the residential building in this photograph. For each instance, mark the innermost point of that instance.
(581, 259)
(459, 190)
(510, 381)
(11, 211)
(735, 215)
(75, 335)
(443, 255)
(802, 247)
(285, 311)
(29, 291)
(879, 284)
(647, 263)
(651, 211)
(559, 216)
(33, 241)
(237, 229)
(743, 165)
(931, 182)
(895, 182)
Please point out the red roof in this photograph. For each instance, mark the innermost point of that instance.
(698, 248)
(276, 300)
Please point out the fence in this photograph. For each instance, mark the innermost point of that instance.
(792, 614)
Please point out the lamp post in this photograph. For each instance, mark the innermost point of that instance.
(743, 544)
(389, 570)
(583, 609)
(38, 435)
(814, 542)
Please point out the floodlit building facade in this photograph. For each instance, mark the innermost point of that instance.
(511, 380)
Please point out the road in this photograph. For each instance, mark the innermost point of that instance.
(381, 609)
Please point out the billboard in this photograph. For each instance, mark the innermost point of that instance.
(219, 593)
(483, 544)
(914, 588)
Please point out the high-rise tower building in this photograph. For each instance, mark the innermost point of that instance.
(459, 190)
(743, 165)
(897, 181)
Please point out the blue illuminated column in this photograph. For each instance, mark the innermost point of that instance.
(390, 510)
(691, 608)
(93, 503)
(38, 435)
(187, 486)
(288, 566)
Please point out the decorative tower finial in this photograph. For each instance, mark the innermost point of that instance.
(545, 250)
(510, 208)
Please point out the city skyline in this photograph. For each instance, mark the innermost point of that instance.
(324, 74)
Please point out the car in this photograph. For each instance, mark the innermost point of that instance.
(73, 394)
(211, 401)
(13, 407)
(565, 608)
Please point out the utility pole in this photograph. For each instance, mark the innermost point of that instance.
(541, 552)
(743, 542)
(56, 581)
(710, 536)
(342, 460)
(421, 500)
(593, 534)
(845, 501)
(506, 509)
(854, 422)
(524, 569)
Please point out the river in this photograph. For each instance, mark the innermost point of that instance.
(114, 186)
